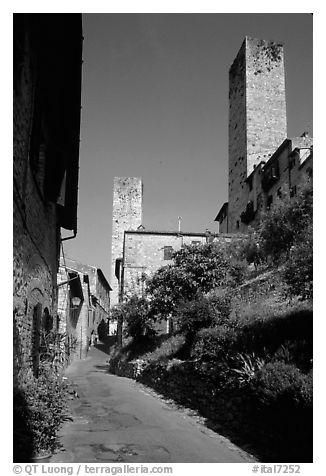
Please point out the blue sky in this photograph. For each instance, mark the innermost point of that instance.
(155, 105)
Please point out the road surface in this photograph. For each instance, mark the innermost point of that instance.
(115, 419)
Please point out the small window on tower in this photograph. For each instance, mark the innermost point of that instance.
(168, 250)
(293, 191)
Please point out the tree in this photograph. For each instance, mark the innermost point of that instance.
(298, 271)
(134, 313)
(250, 249)
(196, 270)
(284, 223)
(166, 288)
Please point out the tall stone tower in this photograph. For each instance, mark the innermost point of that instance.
(126, 215)
(257, 116)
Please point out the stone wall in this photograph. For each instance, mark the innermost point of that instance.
(126, 215)
(35, 232)
(237, 137)
(47, 80)
(266, 104)
(257, 117)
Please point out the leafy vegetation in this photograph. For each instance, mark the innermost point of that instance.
(136, 316)
(284, 224)
(40, 401)
(39, 410)
(242, 338)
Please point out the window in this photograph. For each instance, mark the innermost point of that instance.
(36, 320)
(168, 250)
(293, 191)
(292, 163)
(238, 224)
(47, 321)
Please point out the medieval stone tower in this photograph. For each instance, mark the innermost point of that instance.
(257, 116)
(126, 215)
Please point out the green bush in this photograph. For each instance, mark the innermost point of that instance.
(135, 315)
(246, 367)
(194, 315)
(268, 332)
(220, 299)
(249, 248)
(168, 349)
(296, 352)
(237, 272)
(298, 272)
(282, 226)
(282, 398)
(39, 409)
(278, 383)
(214, 344)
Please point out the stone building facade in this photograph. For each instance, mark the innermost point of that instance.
(46, 112)
(83, 305)
(258, 144)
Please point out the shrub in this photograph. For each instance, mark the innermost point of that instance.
(169, 348)
(297, 352)
(280, 383)
(249, 248)
(282, 398)
(237, 272)
(55, 347)
(39, 409)
(135, 315)
(271, 332)
(298, 272)
(306, 391)
(247, 367)
(283, 224)
(194, 315)
(220, 300)
(214, 344)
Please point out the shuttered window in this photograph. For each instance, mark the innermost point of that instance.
(168, 250)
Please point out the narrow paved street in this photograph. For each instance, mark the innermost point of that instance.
(115, 419)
